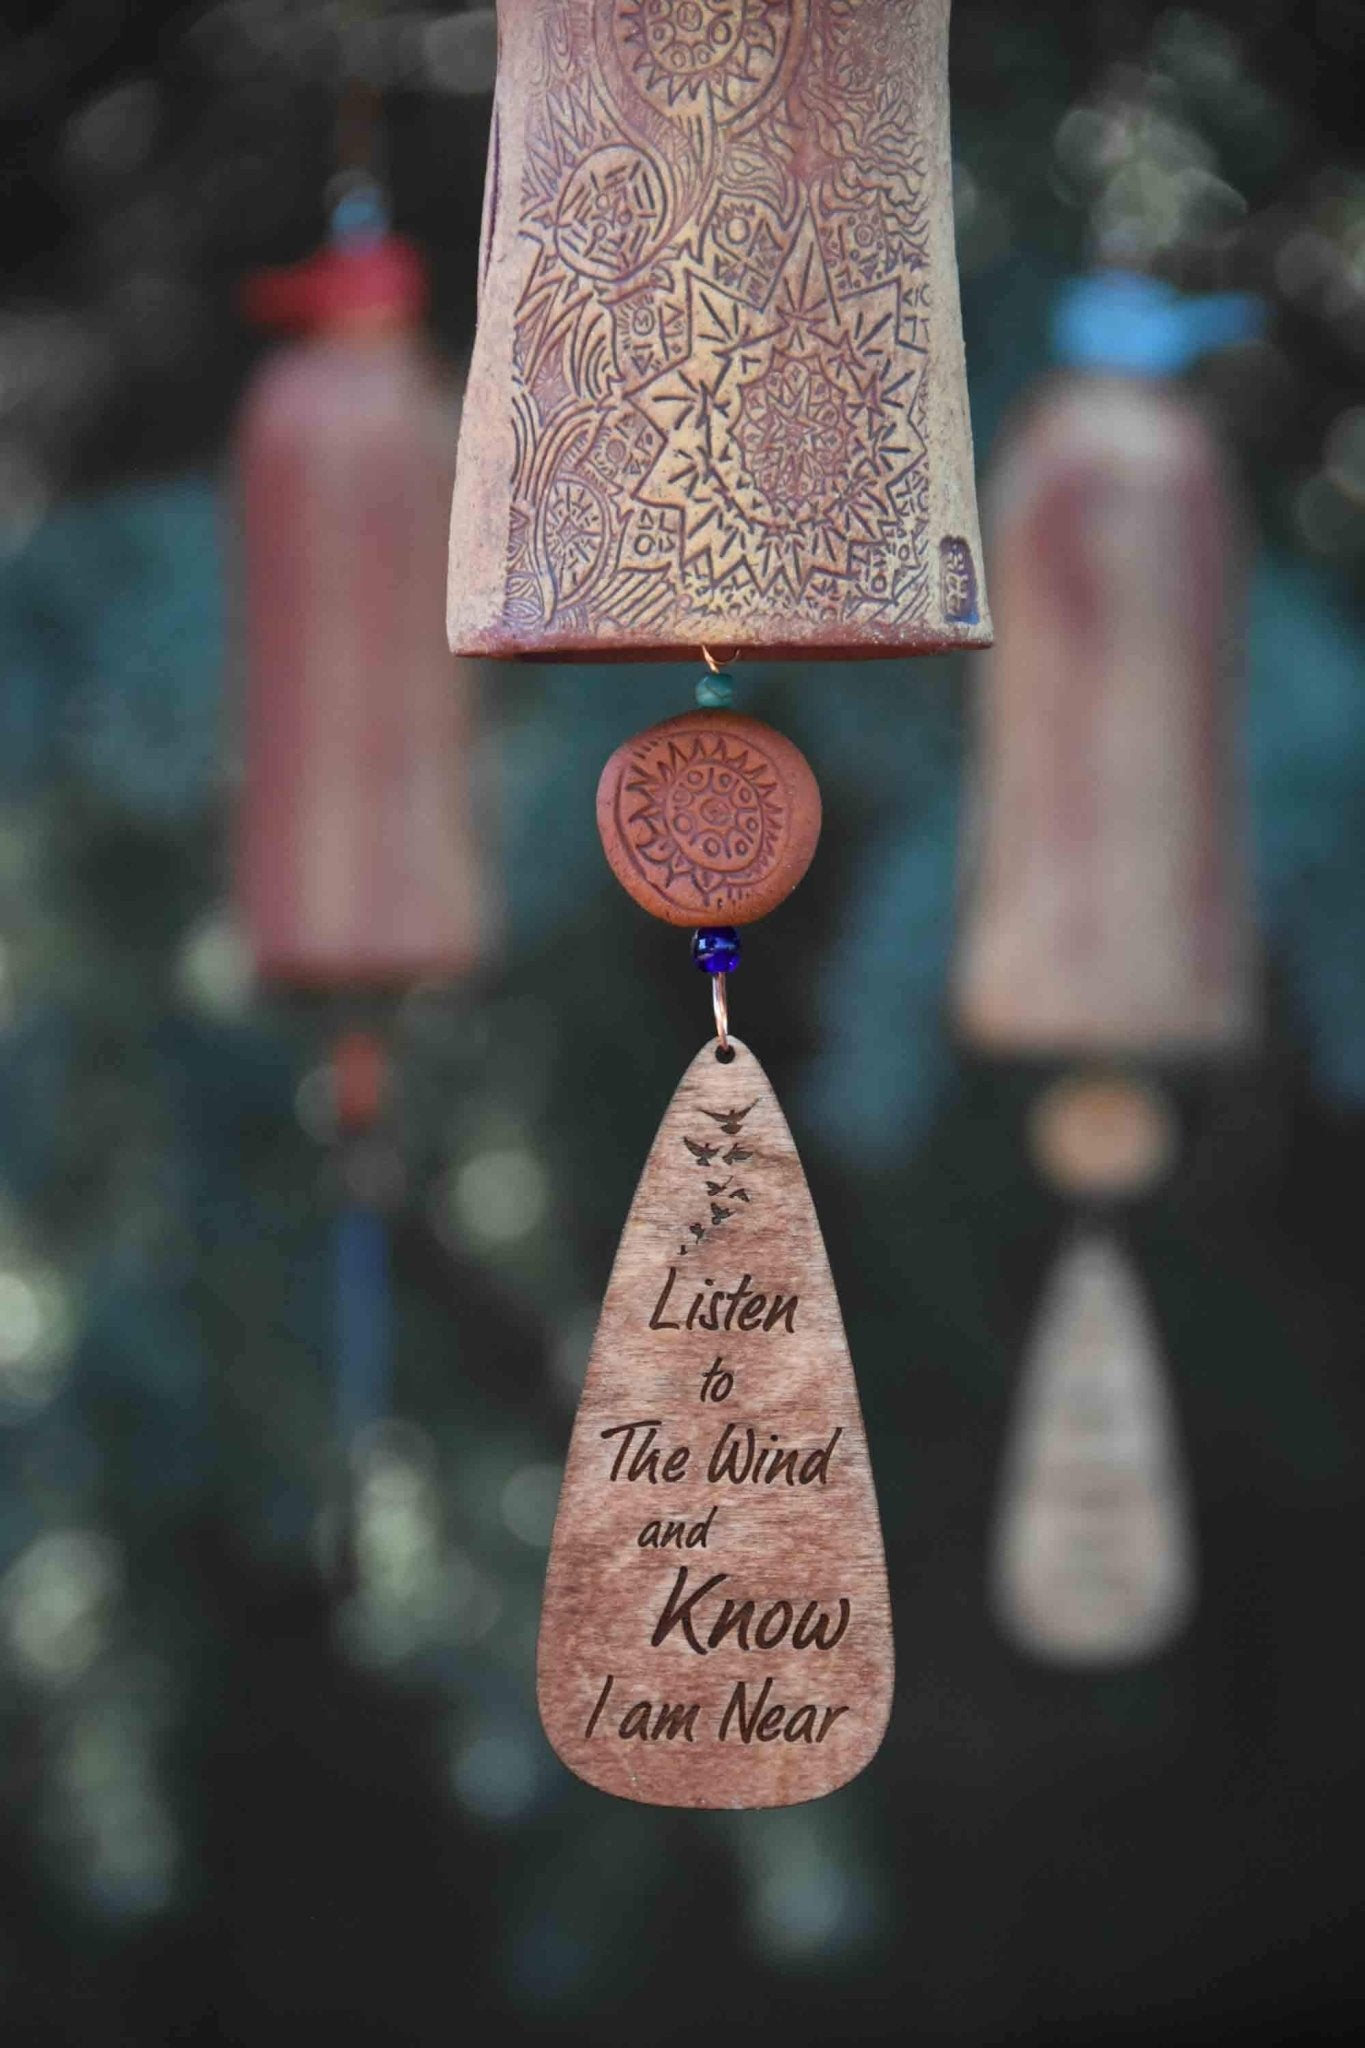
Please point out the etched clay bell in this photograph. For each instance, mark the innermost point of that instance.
(717, 392)
(1107, 906)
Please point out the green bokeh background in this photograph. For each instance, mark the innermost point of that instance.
(236, 1806)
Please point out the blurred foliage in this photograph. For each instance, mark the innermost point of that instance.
(234, 1800)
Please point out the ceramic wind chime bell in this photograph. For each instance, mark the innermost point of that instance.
(717, 395)
(357, 862)
(1107, 920)
(358, 872)
(717, 403)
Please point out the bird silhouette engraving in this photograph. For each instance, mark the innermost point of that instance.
(703, 1154)
(730, 1119)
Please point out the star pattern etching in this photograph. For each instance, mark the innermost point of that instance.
(721, 347)
(789, 445)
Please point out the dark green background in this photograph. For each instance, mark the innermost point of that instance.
(300, 1837)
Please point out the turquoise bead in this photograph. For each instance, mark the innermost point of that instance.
(716, 692)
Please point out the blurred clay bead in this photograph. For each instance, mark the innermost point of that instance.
(709, 818)
(1097, 1134)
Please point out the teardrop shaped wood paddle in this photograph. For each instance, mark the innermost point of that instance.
(716, 1630)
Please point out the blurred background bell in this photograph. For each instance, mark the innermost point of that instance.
(359, 870)
(358, 864)
(1107, 899)
(1107, 918)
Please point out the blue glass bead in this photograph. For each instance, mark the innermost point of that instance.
(717, 949)
(716, 692)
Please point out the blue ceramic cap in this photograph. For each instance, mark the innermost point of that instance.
(359, 212)
(1119, 320)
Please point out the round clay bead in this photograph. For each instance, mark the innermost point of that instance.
(710, 818)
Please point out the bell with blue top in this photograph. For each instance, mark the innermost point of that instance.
(1108, 926)
(1106, 900)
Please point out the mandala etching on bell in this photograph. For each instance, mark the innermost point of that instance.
(721, 350)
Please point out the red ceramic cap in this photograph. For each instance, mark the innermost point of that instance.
(339, 284)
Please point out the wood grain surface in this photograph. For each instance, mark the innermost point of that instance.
(708, 818)
(717, 391)
(716, 1630)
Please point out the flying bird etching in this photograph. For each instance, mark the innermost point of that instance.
(730, 1119)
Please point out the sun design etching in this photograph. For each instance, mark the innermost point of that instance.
(721, 346)
(798, 433)
(573, 530)
(705, 817)
(612, 210)
(789, 450)
(716, 56)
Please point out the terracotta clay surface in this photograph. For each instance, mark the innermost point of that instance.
(717, 390)
(709, 818)
(1108, 905)
(1093, 1561)
(716, 1629)
(1102, 1135)
(358, 862)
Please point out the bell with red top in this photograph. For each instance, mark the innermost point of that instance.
(357, 861)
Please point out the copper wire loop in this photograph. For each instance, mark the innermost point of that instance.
(719, 667)
(720, 1005)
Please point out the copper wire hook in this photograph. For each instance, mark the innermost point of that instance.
(718, 668)
(721, 1008)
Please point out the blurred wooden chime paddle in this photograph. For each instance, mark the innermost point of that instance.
(358, 870)
(1093, 1559)
(1107, 918)
(717, 401)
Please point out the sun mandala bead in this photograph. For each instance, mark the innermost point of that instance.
(717, 949)
(709, 817)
